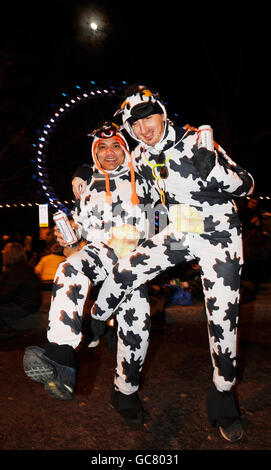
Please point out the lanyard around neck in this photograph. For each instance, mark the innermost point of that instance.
(155, 165)
(159, 179)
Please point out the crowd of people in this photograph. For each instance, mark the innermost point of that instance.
(28, 267)
(181, 285)
(256, 227)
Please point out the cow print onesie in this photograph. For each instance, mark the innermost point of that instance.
(111, 231)
(203, 225)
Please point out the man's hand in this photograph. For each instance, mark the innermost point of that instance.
(78, 186)
(204, 161)
(187, 127)
(59, 237)
(71, 249)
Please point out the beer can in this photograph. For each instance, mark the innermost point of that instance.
(205, 137)
(63, 224)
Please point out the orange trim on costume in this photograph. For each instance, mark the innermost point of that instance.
(134, 197)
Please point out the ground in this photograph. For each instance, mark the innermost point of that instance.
(177, 375)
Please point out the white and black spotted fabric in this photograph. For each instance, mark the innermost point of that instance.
(214, 241)
(111, 230)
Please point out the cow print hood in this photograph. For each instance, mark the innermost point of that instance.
(141, 103)
(106, 131)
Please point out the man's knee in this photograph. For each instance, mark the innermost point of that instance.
(124, 277)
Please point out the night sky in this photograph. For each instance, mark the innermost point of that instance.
(211, 66)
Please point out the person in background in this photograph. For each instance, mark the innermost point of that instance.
(48, 264)
(253, 243)
(250, 216)
(28, 246)
(20, 287)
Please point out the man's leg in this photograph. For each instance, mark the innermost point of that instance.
(133, 327)
(54, 364)
(221, 264)
(164, 250)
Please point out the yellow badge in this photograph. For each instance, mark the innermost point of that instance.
(186, 218)
(123, 239)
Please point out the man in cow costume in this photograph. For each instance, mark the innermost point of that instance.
(112, 217)
(197, 187)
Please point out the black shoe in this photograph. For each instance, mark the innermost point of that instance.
(224, 414)
(110, 338)
(232, 432)
(128, 406)
(98, 327)
(94, 342)
(59, 380)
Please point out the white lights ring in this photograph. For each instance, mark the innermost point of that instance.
(49, 127)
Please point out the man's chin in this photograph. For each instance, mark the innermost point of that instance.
(110, 166)
(149, 142)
